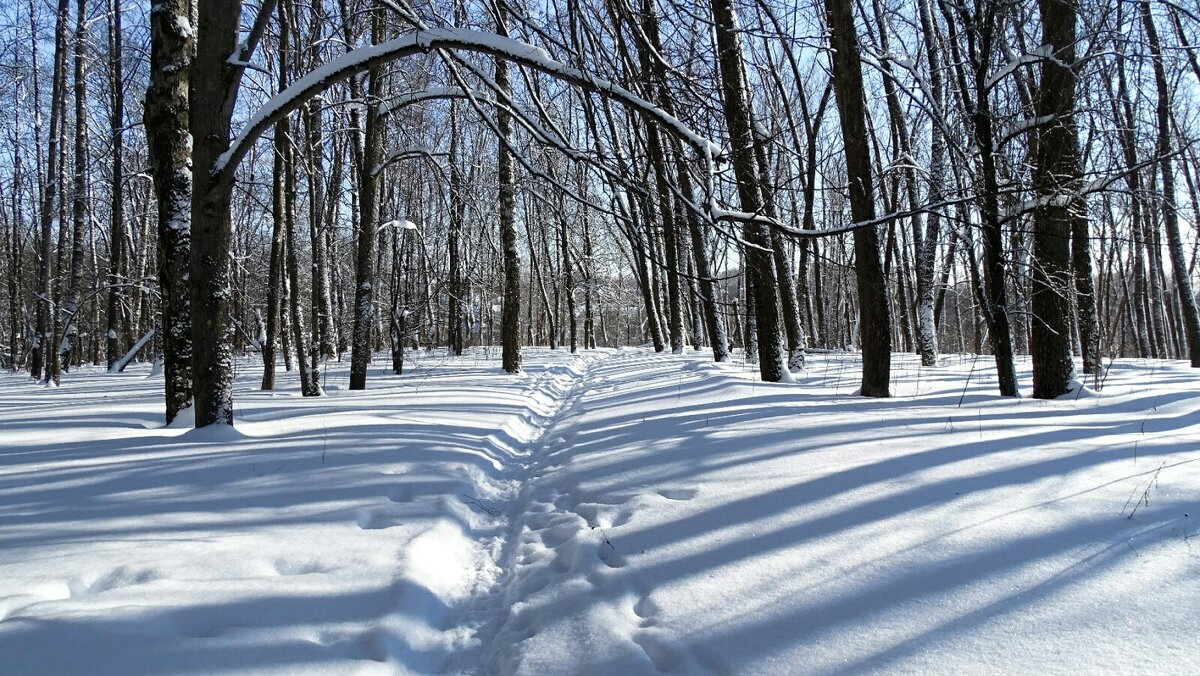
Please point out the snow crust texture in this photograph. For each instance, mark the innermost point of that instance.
(614, 512)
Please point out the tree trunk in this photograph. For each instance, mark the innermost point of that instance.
(368, 222)
(167, 129)
(874, 320)
(286, 154)
(1179, 268)
(996, 295)
(275, 267)
(213, 93)
(324, 331)
(69, 335)
(796, 341)
(42, 364)
(758, 259)
(1056, 184)
(117, 337)
(696, 235)
(510, 323)
(455, 292)
(927, 340)
(564, 245)
(16, 254)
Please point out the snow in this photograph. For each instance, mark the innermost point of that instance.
(1036, 55)
(616, 511)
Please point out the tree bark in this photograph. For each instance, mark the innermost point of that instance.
(117, 335)
(368, 221)
(455, 305)
(43, 365)
(275, 266)
(69, 334)
(927, 339)
(874, 320)
(510, 322)
(797, 343)
(167, 120)
(213, 91)
(1056, 185)
(980, 32)
(759, 263)
(1179, 268)
(309, 385)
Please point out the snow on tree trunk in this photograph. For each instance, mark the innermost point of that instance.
(758, 259)
(510, 323)
(213, 91)
(927, 338)
(43, 363)
(309, 387)
(1056, 183)
(117, 333)
(79, 203)
(368, 225)
(981, 36)
(167, 129)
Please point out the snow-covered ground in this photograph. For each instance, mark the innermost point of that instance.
(612, 512)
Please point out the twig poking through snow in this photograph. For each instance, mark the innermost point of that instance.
(1145, 497)
(474, 502)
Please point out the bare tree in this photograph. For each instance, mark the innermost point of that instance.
(1183, 280)
(874, 321)
(759, 261)
(1056, 183)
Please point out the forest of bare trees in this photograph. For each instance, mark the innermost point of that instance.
(197, 181)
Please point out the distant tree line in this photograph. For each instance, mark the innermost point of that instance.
(193, 180)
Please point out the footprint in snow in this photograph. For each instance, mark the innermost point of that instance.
(678, 493)
(376, 519)
(287, 567)
(401, 493)
(554, 536)
(647, 610)
(661, 654)
(599, 515)
(610, 556)
(113, 579)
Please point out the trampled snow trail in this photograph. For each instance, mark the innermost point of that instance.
(490, 612)
(683, 518)
(560, 564)
(353, 533)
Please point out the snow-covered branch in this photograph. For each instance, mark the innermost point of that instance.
(365, 58)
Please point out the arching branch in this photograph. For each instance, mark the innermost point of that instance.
(361, 60)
